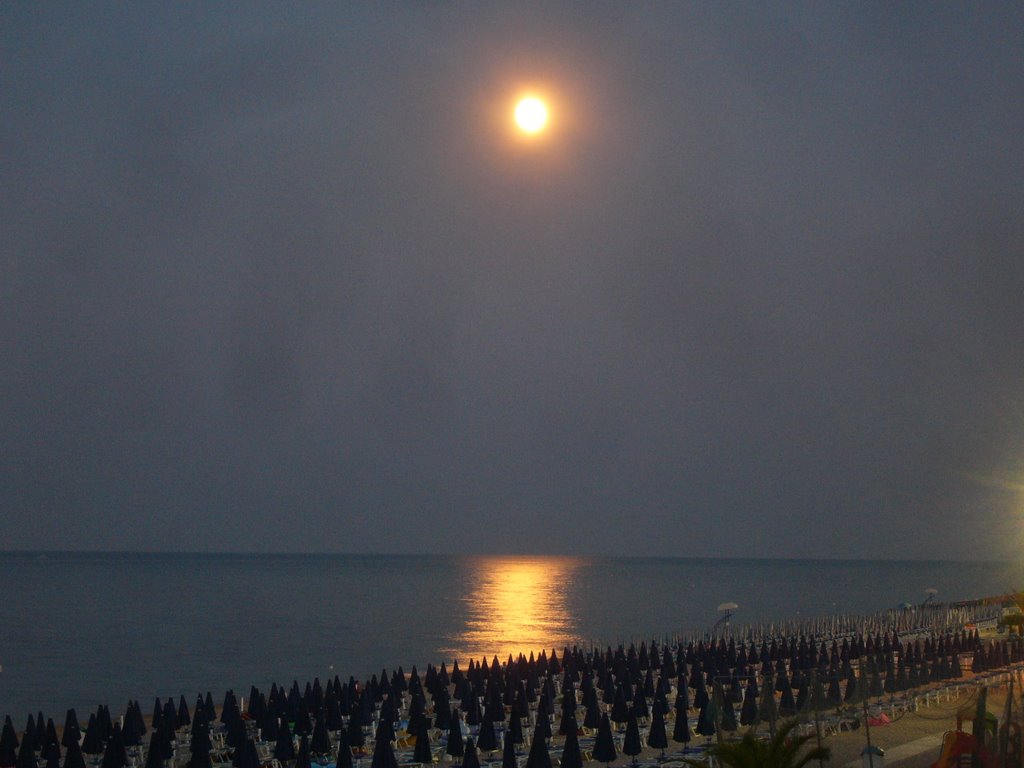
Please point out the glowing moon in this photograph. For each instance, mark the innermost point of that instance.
(531, 115)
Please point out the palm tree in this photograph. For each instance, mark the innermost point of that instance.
(782, 751)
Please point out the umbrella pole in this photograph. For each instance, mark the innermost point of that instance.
(867, 734)
(817, 730)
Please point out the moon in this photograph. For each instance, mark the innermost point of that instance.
(531, 115)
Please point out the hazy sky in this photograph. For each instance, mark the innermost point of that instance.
(283, 278)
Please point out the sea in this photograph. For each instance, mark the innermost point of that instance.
(79, 630)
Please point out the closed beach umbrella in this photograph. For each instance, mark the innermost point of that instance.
(657, 737)
(640, 704)
(681, 729)
(302, 755)
(184, 719)
(700, 696)
(114, 756)
(27, 751)
(748, 713)
(604, 744)
(73, 758)
(515, 728)
(631, 744)
(356, 739)
(508, 754)
(284, 748)
(92, 744)
(200, 750)
(787, 705)
(154, 755)
(488, 739)
(572, 757)
(8, 744)
(384, 754)
(980, 716)
(543, 727)
(132, 734)
(834, 697)
(706, 718)
(592, 713)
(320, 743)
(728, 715)
(538, 757)
(620, 708)
(53, 756)
(470, 759)
(251, 758)
(344, 751)
(422, 752)
(71, 729)
(852, 692)
(455, 747)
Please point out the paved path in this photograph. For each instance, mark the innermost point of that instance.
(932, 742)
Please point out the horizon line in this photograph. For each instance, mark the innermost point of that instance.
(580, 555)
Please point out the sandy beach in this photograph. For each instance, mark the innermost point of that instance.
(909, 725)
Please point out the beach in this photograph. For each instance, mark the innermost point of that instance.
(622, 694)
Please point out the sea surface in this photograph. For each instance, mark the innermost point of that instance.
(84, 629)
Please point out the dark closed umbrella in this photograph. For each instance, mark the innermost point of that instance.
(620, 709)
(53, 756)
(356, 739)
(154, 756)
(488, 739)
(302, 755)
(706, 718)
(200, 750)
(657, 737)
(74, 758)
(91, 743)
(114, 756)
(183, 716)
(681, 729)
(604, 744)
(320, 743)
(332, 714)
(344, 751)
(543, 726)
(508, 754)
(384, 754)
(71, 729)
(640, 704)
(422, 752)
(852, 693)
(471, 759)
(834, 697)
(132, 733)
(27, 751)
(455, 747)
(515, 728)
(251, 758)
(700, 696)
(538, 756)
(284, 748)
(572, 757)
(592, 714)
(631, 744)
(748, 712)
(728, 712)
(787, 705)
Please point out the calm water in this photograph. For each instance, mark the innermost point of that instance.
(79, 630)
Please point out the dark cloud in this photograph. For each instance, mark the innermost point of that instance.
(284, 280)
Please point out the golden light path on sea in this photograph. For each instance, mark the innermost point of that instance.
(518, 607)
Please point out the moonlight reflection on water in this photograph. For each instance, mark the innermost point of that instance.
(518, 607)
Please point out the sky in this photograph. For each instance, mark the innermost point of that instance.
(285, 278)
